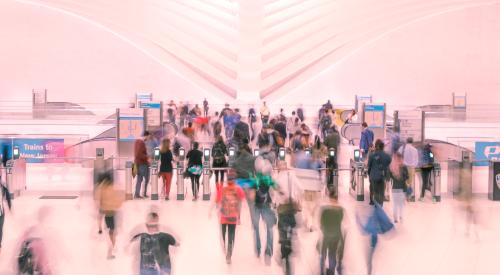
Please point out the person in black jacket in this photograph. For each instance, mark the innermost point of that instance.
(378, 164)
(219, 153)
(4, 197)
(194, 168)
(399, 175)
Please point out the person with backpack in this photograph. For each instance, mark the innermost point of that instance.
(262, 206)
(399, 175)
(194, 168)
(219, 153)
(378, 164)
(109, 201)
(366, 140)
(216, 125)
(332, 240)
(154, 248)
(228, 201)
(410, 159)
(252, 119)
(427, 168)
(141, 161)
(4, 198)
(325, 123)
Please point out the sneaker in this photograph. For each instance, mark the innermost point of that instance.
(145, 196)
(167, 198)
(138, 197)
(100, 231)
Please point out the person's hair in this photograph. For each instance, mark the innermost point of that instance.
(165, 145)
(409, 140)
(379, 145)
(105, 178)
(195, 145)
(396, 163)
(145, 134)
(237, 110)
(216, 113)
(293, 112)
(364, 125)
(190, 124)
(152, 219)
(245, 141)
(220, 138)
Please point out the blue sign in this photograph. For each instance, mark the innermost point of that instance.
(150, 105)
(374, 108)
(36, 150)
(486, 151)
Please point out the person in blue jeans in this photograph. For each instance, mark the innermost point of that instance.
(141, 160)
(366, 140)
(262, 208)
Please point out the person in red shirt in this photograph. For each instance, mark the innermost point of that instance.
(141, 160)
(228, 202)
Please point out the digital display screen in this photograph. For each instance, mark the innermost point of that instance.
(282, 153)
(206, 152)
(256, 152)
(308, 152)
(431, 155)
(157, 152)
(15, 152)
(332, 153)
(356, 154)
(181, 152)
(231, 152)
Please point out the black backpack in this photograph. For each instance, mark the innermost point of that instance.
(25, 260)
(262, 196)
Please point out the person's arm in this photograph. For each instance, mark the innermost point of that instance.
(6, 195)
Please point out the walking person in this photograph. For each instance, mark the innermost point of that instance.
(410, 160)
(264, 113)
(219, 153)
(252, 119)
(205, 108)
(228, 201)
(166, 168)
(4, 198)
(262, 207)
(332, 240)
(194, 169)
(154, 248)
(141, 161)
(109, 201)
(366, 140)
(399, 175)
(427, 168)
(378, 164)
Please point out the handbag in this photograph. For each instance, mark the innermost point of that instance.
(195, 170)
(134, 170)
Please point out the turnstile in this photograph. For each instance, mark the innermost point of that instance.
(154, 174)
(180, 175)
(15, 177)
(494, 180)
(436, 187)
(206, 174)
(357, 186)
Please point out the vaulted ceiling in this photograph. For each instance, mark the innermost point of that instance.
(262, 47)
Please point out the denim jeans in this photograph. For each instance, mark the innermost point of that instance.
(269, 218)
(142, 173)
(329, 248)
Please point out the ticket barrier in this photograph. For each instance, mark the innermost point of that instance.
(180, 174)
(206, 174)
(357, 186)
(436, 187)
(494, 180)
(128, 180)
(15, 176)
(332, 177)
(153, 169)
(232, 156)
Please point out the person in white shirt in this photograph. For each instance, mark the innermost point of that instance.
(264, 113)
(410, 159)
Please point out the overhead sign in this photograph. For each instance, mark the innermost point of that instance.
(34, 150)
(360, 99)
(130, 124)
(374, 115)
(153, 113)
(411, 124)
(142, 97)
(486, 151)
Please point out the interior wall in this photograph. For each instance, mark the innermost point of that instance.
(418, 64)
(78, 62)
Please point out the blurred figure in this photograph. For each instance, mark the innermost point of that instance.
(166, 168)
(262, 206)
(154, 248)
(300, 114)
(410, 159)
(219, 153)
(228, 201)
(205, 107)
(252, 119)
(325, 122)
(427, 168)
(332, 240)
(194, 168)
(378, 164)
(183, 113)
(264, 113)
(33, 257)
(141, 161)
(377, 223)
(4, 198)
(171, 111)
(189, 131)
(398, 173)
(216, 125)
(109, 201)
(466, 198)
(366, 140)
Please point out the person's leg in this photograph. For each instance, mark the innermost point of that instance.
(332, 256)
(269, 218)
(371, 191)
(191, 176)
(146, 179)
(425, 181)
(216, 172)
(168, 183)
(373, 246)
(255, 223)
(164, 182)
(223, 228)
(100, 217)
(2, 218)
(395, 215)
(322, 257)
(140, 176)
(231, 236)
(222, 176)
(197, 180)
